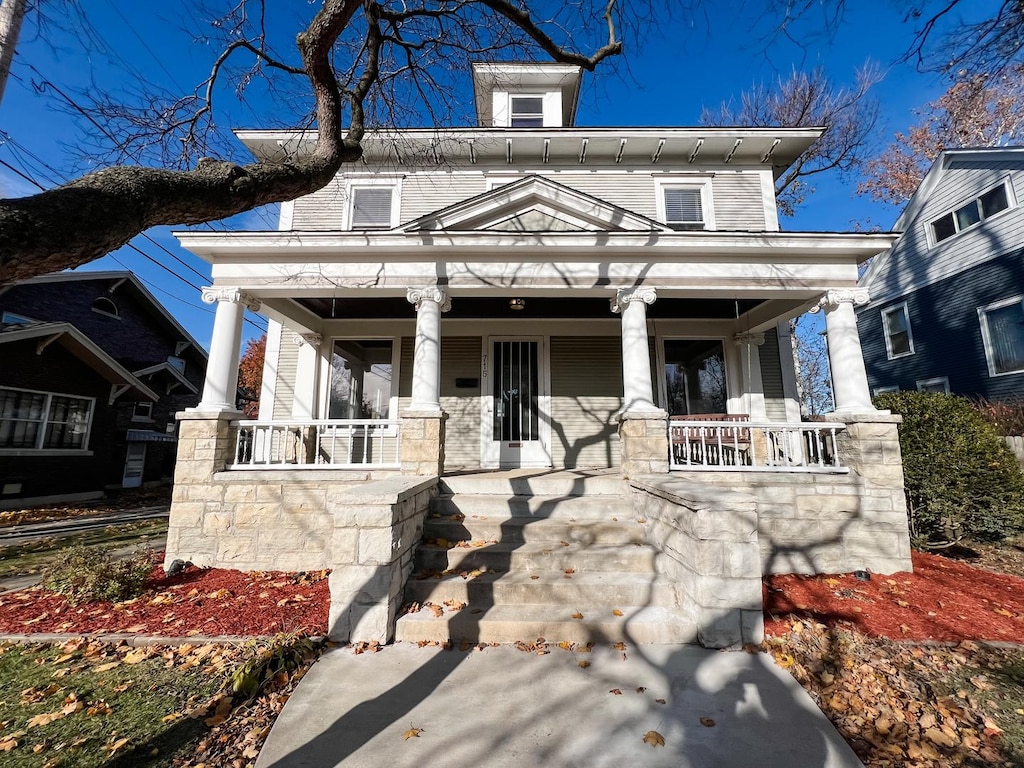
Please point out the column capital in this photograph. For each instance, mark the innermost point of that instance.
(757, 339)
(624, 296)
(213, 294)
(313, 339)
(435, 293)
(837, 296)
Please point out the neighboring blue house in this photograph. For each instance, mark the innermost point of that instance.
(946, 309)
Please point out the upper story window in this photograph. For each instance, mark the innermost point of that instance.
(372, 206)
(939, 384)
(685, 206)
(143, 411)
(1002, 331)
(43, 420)
(970, 213)
(899, 341)
(526, 111)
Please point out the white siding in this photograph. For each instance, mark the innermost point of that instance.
(324, 209)
(287, 367)
(739, 204)
(586, 394)
(424, 193)
(912, 263)
(461, 359)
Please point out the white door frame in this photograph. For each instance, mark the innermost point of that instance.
(495, 453)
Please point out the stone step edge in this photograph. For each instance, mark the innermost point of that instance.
(136, 640)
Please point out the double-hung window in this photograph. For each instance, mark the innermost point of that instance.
(1002, 330)
(526, 111)
(970, 213)
(43, 420)
(371, 207)
(899, 340)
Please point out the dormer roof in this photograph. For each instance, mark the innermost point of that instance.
(512, 76)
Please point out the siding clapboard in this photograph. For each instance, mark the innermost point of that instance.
(771, 377)
(287, 370)
(586, 395)
(738, 202)
(461, 359)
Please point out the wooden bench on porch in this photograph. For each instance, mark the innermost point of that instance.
(710, 444)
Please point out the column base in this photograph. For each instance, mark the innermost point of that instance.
(643, 435)
(422, 442)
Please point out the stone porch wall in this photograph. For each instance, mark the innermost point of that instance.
(377, 526)
(707, 544)
(833, 523)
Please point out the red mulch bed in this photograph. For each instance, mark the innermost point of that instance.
(198, 601)
(941, 600)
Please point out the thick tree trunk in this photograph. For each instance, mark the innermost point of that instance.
(91, 216)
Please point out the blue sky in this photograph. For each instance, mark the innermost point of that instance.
(679, 69)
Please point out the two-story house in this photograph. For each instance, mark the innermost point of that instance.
(947, 301)
(92, 370)
(531, 321)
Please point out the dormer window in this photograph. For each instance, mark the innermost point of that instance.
(526, 112)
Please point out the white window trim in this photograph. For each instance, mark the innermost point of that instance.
(116, 314)
(396, 199)
(888, 338)
(986, 339)
(1011, 203)
(706, 198)
(39, 450)
(146, 417)
(512, 96)
(886, 390)
(923, 383)
(396, 359)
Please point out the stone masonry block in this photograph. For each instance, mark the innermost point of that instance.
(187, 515)
(236, 493)
(752, 626)
(375, 546)
(268, 492)
(233, 551)
(303, 500)
(345, 546)
(217, 523)
(719, 630)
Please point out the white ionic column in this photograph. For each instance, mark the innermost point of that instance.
(637, 383)
(430, 302)
(750, 362)
(307, 374)
(849, 377)
(221, 385)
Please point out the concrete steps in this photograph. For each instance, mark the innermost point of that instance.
(516, 556)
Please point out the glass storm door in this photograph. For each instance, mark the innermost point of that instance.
(517, 424)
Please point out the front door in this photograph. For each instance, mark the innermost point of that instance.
(516, 425)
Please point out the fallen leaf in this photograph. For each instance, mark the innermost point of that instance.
(616, 612)
(640, 689)
(654, 738)
(661, 701)
(615, 691)
(412, 733)
(577, 615)
(583, 664)
(112, 748)
(707, 722)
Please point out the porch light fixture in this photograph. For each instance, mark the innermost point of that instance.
(517, 304)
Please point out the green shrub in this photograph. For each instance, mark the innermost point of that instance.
(961, 479)
(85, 574)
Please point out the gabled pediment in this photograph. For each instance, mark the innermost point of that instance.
(534, 204)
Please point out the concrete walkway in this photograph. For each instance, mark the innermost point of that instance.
(503, 708)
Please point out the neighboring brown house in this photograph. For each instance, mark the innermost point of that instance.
(92, 370)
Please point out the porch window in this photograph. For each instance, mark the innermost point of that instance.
(1002, 330)
(361, 379)
(527, 112)
(694, 376)
(43, 420)
(371, 207)
(898, 338)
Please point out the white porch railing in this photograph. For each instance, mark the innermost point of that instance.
(325, 444)
(743, 446)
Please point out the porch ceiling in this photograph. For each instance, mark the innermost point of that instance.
(576, 308)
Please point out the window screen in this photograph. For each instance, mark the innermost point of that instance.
(527, 112)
